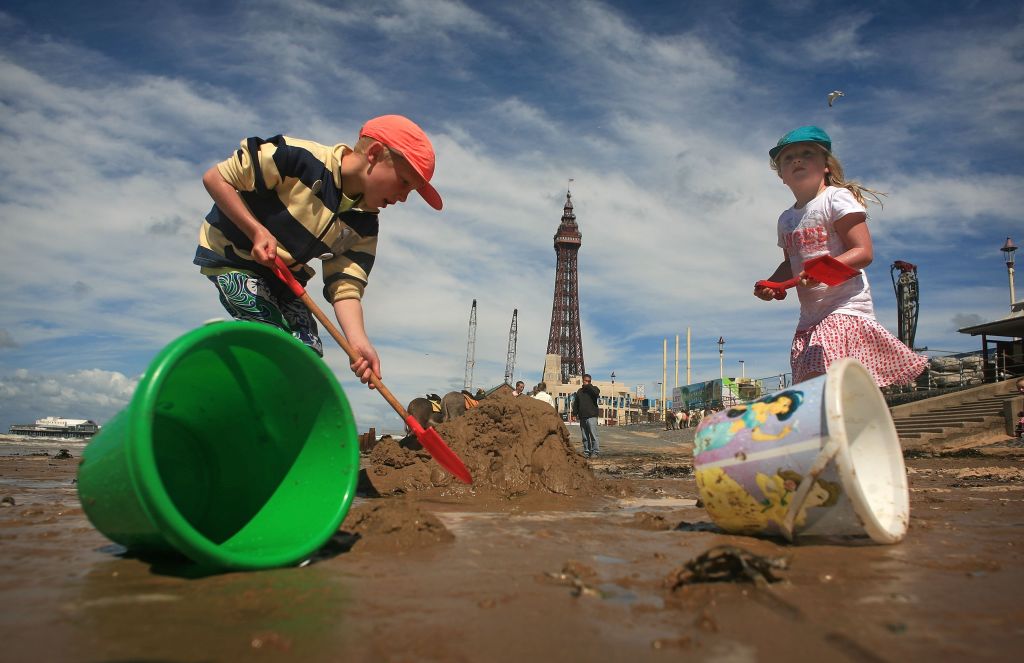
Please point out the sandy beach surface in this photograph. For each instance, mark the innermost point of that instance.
(433, 575)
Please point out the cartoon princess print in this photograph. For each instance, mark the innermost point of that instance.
(736, 510)
(751, 417)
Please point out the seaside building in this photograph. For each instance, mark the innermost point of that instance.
(58, 428)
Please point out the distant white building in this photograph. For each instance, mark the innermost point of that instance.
(57, 427)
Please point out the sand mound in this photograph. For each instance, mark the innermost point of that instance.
(394, 525)
(511, 446)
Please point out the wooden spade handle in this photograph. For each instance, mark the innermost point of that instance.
(285, 274)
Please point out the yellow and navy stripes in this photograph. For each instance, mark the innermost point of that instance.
(293, 187)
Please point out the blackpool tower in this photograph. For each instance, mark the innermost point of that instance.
(564, 338)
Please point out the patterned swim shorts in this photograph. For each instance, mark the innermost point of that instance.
(246, 297)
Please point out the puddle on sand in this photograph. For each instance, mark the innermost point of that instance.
(615, 594)
(608, 559)
(457, 521)
(635, 503)
(460, 521)
(38, 484)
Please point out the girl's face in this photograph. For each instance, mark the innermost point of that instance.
(802, 164)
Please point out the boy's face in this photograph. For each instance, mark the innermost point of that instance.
(387, 182)
(801, 163)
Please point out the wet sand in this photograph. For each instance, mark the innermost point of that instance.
(432, 576)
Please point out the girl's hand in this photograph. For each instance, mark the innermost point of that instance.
(807, 281)
(767, 294)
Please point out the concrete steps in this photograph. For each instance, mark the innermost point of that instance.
(961, 419)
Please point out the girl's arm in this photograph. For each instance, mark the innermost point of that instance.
(856, 237)
(854, 232)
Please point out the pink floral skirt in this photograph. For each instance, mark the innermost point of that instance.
(839, 335)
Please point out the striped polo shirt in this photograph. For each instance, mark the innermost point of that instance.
(293, 187)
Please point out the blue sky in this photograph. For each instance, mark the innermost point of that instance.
(662, 113)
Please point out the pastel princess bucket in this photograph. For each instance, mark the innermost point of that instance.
(821, 458)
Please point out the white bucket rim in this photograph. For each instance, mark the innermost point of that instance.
(835, 383)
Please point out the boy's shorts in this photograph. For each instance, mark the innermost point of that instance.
(246, 297)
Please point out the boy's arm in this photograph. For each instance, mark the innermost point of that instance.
(350, 316)
(264, 245)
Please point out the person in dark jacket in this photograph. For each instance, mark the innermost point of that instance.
(585, 409)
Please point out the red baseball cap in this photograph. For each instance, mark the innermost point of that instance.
(407, 138)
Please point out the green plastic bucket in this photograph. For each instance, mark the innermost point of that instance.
(238, 450)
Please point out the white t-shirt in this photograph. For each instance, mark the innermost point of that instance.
(546, 397)
(810, 232)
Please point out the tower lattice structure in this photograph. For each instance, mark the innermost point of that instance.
(564, 339)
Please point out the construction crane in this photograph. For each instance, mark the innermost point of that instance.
(510, 363)
(471, 348)
(905, 286)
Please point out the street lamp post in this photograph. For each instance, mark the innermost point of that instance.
(743, 368)
(1008, 250)
(661, 385)
(721, 358)
(615, 405)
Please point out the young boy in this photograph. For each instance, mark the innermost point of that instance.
(301, 200)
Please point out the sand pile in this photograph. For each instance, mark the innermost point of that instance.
(394, 525)
(511, 446)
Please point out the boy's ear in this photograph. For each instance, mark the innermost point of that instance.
(374, 151)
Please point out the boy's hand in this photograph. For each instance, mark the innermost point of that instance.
(264, 247)
(367, 364)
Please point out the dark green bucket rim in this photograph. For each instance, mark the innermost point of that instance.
(149, 485)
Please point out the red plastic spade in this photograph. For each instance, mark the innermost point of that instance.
(428, 437)
(825, 269)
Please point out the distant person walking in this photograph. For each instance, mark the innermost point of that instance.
(520, 386)
(830, 218)
(670, 420)
(585, 409)
(543, 395)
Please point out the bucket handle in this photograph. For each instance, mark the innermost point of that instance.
(825, 456)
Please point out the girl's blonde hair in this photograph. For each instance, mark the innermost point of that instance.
(834, 177)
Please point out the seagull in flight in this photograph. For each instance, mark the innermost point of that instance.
(833, 95)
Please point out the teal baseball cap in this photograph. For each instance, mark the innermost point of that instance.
(808, 134)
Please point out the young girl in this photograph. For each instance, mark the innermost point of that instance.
(829, 218)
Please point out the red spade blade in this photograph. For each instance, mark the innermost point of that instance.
(828, 270)
(824, 269)
(440, 451)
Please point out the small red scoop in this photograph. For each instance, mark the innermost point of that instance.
(826, 269)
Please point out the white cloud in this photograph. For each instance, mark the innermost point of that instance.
(664, 126)
(85, 394)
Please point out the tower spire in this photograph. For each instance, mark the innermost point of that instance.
(565, 339)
